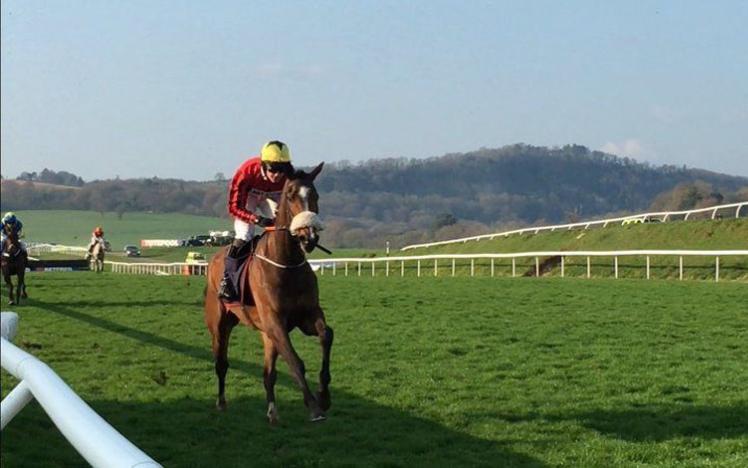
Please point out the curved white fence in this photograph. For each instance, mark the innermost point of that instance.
(177, 268)
(391, 265)
(662, 216)
(98, 442)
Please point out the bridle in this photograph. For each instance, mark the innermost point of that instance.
(271, 229)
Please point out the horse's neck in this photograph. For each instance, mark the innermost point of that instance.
(282, 248)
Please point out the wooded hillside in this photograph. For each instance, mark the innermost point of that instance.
(415, 200)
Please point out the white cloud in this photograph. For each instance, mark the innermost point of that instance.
(631, 148)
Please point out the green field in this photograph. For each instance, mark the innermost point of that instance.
(74, 227)
(426, 372)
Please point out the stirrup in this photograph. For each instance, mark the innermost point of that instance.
(226, 290)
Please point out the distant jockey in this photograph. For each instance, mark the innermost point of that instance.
(253, 199)
(11, 225)
(97, 237)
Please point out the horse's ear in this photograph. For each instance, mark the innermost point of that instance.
(316, 171)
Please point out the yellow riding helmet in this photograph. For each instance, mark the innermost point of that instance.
(275, 152)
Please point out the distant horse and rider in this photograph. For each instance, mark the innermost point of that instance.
(96, 249)
(14, 258)
(277, 292)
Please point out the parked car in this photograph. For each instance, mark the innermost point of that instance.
(132, 251)
(198, 240)
(195, 257)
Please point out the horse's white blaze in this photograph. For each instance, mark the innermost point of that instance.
(304, 195)
(306, 219)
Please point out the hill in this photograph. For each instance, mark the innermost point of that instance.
(409, 201)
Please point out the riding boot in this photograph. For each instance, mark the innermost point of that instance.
(228, 289)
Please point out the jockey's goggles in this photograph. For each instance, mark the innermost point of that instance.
(276, 167)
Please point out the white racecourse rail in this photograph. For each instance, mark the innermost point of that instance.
(98, 442)
(332, 264)
(390, 264)
(662, 216)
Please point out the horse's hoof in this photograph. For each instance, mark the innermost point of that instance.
(272, 414)
(323, 398)
(318, 417)
(221, 404)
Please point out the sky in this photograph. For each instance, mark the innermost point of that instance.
(190, 88)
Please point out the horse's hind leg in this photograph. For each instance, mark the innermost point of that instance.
(221, 332)
(316, 325)
(270, 375)
(21, 287)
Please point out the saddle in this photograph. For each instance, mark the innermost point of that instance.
(241, 280)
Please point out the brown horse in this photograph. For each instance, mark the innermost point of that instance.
(284, 294)
(14, 261)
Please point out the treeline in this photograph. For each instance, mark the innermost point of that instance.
(418, 200)
(51, 177)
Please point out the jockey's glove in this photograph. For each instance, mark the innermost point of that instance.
(263, 221)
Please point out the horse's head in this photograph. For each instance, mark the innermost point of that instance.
(299, 208)
(11, 244)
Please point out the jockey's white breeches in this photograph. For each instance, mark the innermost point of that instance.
(260, 205)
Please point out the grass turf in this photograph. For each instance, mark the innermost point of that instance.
(426, 372)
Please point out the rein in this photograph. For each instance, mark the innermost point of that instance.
(279, 265)
(276, 264)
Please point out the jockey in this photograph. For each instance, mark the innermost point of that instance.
(11, 225)
(253, 199)
(97, 237)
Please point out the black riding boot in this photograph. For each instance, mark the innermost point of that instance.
(227, 289)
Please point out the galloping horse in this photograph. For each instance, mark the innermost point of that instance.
(285, 295)
(97, 257)
(14, 261)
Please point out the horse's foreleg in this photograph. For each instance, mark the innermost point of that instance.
(9, 285)
(270, 375)
(325, 339)
(316, 325)
(298, 370)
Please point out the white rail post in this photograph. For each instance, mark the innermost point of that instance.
(647, 266)
(716, 269)
(472, 267)
(359, 268)
(436, 267)
(453, 267)
(14, 402)
(402, 268)
(562, 266)
(372, 268)
(492, 267)
(680, 267)
(615, 263)
(588, 266)
(514, 267)
(537, 267)
(346, 268)
(387, 268)
(334, 269)
(418, 269)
